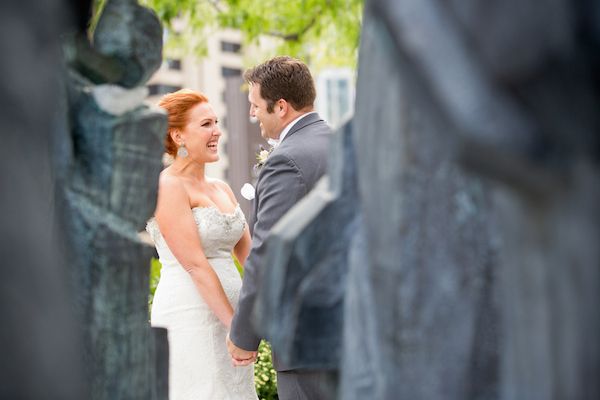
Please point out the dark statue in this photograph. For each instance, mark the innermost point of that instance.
(82, 137)
(108, 178)
(473, 272)
(39, 345)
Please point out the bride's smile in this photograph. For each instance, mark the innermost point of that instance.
(202, 133)
(213, 145)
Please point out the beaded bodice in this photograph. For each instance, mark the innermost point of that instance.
(219, 232)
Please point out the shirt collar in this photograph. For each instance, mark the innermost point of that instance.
(287, 129)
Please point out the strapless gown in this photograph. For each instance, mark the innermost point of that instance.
(199, 364)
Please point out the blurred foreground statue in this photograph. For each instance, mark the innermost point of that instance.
(79, 175)
(110, 159)
(39, 345)
(472, 270)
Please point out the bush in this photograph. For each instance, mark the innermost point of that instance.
(155, 267)
(265, 378)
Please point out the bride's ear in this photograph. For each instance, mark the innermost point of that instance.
(176, 136)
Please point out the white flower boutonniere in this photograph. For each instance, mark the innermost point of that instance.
(261, 157)
(248, 192)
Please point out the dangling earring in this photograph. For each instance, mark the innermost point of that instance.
(182, 151)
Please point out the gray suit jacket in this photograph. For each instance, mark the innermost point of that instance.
(290, 172)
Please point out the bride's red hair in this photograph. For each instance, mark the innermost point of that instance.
(178, 104)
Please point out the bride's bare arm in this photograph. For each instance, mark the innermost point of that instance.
(242, 247)
(177, 225)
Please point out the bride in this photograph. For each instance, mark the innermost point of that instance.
(197, 225)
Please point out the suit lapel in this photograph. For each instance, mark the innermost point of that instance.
(303, 123)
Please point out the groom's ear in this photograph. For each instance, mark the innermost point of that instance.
(281, 107)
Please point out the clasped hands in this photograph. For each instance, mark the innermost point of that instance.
(240, 357)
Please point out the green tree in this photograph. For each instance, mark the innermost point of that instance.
(323, 32)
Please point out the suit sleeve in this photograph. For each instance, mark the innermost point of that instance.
(280, 186)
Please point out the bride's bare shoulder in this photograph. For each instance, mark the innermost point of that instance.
(216, 182)
(171, 187)
(222, 185)
(168, 179)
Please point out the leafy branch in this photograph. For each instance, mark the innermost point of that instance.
(325, 30)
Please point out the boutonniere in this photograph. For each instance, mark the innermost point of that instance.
(261, 157)
(248, 192)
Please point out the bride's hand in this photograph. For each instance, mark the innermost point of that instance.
(240, 357)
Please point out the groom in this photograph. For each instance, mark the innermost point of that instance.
(282, 94)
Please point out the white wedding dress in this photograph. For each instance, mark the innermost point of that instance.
(199, 365)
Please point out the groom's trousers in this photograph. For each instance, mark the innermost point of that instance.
(306, 385)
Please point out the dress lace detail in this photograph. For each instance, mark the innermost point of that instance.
(199, 365)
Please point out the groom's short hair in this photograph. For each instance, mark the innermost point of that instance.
(285, 78)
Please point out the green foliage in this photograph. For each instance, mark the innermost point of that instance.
(97, 7)
(238, 265)
(265, 377)
(323, 32)
(155, 267)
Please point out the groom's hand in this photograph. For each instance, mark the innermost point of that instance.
(240, 357)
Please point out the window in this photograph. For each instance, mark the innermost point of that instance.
(338, 99)
(230, 47)
(343, 96)
(335, 95)
(227, 72)
(173, 63)
(157, 89)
